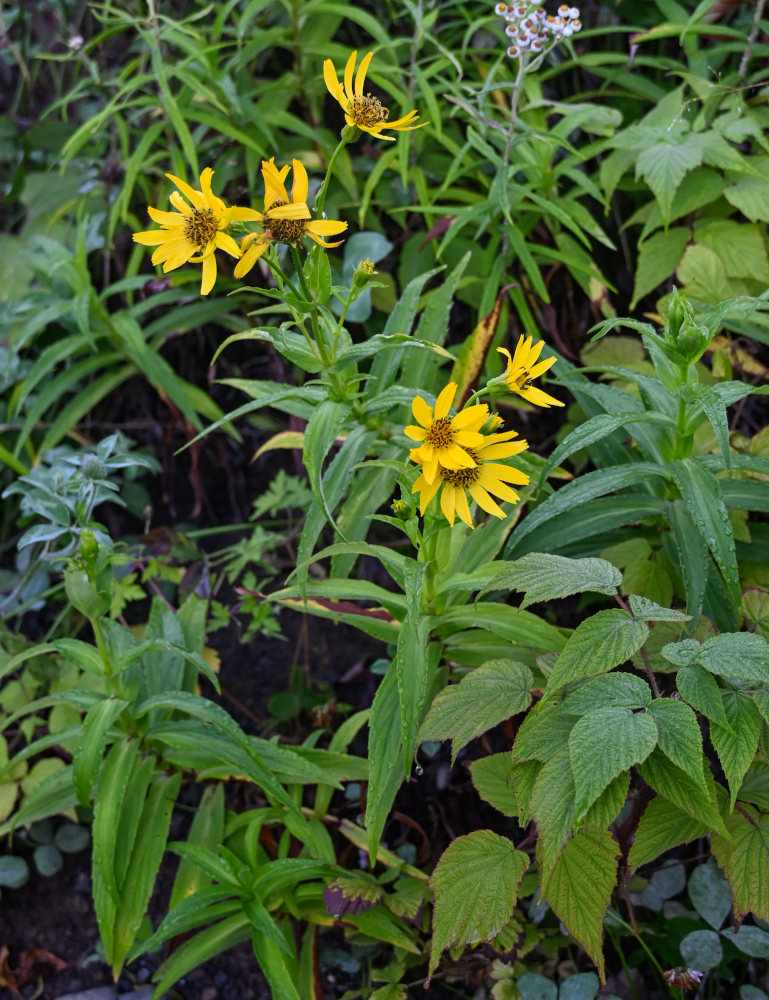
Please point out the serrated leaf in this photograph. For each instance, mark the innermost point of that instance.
(490, 694)
(552, 807)
(493, 780)
(598, 645)
(664, 165)
(602, 745)
(609, 691)
(679, 736)
(681, 653)
(649, 611)
(710, 894)
(677, 787)
(662, 827)
(736, 654)
(745, 860)
(579, 886)
(736, 747)
(700, 689)
(476, 886)
(546, 577)
(543, 733)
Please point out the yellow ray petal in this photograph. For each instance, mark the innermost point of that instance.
(169, 219)
(170, 249)
(209, 275)
(360, 76)
(333, 85)
(444, 400)
(463, 508)
(448, 505)
(195, 197)
(455, 457)
(326, 227)
(300, 186)
(423, 414)
(484, 501)
(228, 244)
(348, 71)
(249, 258)
(152, 237)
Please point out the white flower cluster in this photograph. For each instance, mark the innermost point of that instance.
(530, 29)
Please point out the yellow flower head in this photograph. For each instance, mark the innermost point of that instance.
(523, 367)
(487, 477)
(285, 220)
(194, 231)
(363, 111)
(445, 440)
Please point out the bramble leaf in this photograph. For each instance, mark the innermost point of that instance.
(484, 698)
(598, 645)
(476, 887)
(579, 886)
(602, 745)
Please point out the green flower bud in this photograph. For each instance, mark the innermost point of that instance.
(89, 549)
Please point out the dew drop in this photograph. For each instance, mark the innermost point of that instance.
(419, 770)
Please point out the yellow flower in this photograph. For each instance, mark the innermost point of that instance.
(523, 367)
(363, 111)
(193, 232)
(285, 220)
(485, 478)
(445, 440)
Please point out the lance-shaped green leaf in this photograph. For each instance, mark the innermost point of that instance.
(680, 738)
(602, 745)
(580, 491)
(595, 429)
(744, 858)
(412, 662)
(579, 887)
(701, 494)
(546, 577)
(693, 556)
(476, 888)
(700, 689)
(736, 746)
(484, 698)
(319, 436)
(598, 645)
(736, 654)
(662, 827)
(90, 746)
(385, 754)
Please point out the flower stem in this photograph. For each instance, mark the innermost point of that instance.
(321, 195)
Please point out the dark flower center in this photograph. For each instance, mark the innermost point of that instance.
(284, 230)
(200, 227)
(463, 478)
(367, 111)
(440, 433)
